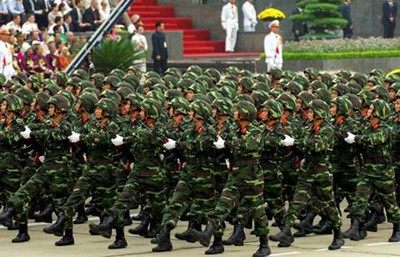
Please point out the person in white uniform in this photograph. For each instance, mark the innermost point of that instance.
(249, 16)
(230, 23)
(273, 47)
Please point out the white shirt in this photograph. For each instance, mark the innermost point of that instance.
(28, 27)
(141, 41)
(13, 26)
(229, 16)
(273, 48)
(249, 14)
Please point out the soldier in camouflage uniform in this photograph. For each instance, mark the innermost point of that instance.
(377, 173)
(146, 176)
(195, 189)
(53, 175)
(245, 182)
(315, 176)
(395, 119)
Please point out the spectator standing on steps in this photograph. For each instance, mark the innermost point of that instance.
(230, 23)
(160, 50)
(140, 39)
(389, 14)
(249, 16)
(346, 14)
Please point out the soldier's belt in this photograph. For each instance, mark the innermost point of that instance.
(246, 162)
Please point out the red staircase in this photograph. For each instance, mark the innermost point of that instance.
(195, 41)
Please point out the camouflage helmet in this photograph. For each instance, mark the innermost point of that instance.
(88, 101)
(392, 78)
(110, 94)
(60, 101)
(213, 74)
(245, 73)
(294, 87)
(303, 82)
(381, 91)
(60, 78)
(305, 97)
(124, 92)
(288, 74)
(360, 78)
(214, 95)
(201, 97)
(247, 84)
(14, 103)
(320, 108)
(81, 73)
(343, 104)
(109, 107)
(42, 99)
(118, 73)
(259, 98)
(197, 88)
(242, 97)
(344, 74)
(174, 72)
(71, 97)
(324, 95)
(395, 86)
(74, 81)
(172, 93)
(86, 84)
(184, 83)
(381, 109)
(97, 79)
(355, 101)
(135, 99)
(181, 105)
(152, 108)
(170, 81)
(342, 89)
(261, 86)
(206, 81)
(276, 92)
(157, 95)
(247, 110)
(287, 100)
(135, 70)
(283, 82)
(227, 91)
(366, 97)
(35, 81)
(112, 80)
(355, 88)
(274, 109)
(223, 105)
(276, 73)
(52, 89)
(262, 77)
(377, 72)
(21, 77)
(326, 78)
(311, 72)
(26, 95)
(189, 75)
(201, 109)
(315, 85)
(194, 69)
(232, 70)
(133, 80)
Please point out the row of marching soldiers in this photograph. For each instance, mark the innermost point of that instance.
(205, 146)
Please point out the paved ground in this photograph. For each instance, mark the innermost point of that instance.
(95, 246)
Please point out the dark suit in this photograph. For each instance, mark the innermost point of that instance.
(345, 10)
(299, 26)
(75, 19)
(159, 49)
(387, 12)
(90, 16)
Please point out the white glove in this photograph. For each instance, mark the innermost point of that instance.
(220, 143)
(74, 137)
(41, 158)
(26, 133)
(288, 141)
(228, 163)
(118, 140)
(351, 138)
(171, 144)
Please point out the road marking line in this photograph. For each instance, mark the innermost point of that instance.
(283, 254)
(382, 243)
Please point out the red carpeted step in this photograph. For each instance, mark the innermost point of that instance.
(198, 49)
(219, 46)
(169, 23)
(145, 2)
(152, 11)
(196, 34)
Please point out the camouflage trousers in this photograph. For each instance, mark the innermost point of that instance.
(194, 192)
(273, 190)
(315, 180)
(289, 179)
(345, 184)
(244, 189)
(146, 180)
(10, 176)
(397, 180)
(378, 177)
(53, 178)
(98, 179)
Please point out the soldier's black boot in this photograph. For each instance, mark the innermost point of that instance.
(127, 219)
(58, 227)
(163, 240)
(154, 229)
(325, 227)
(238, 236)
(285, 237)
(306, 225)
(23, 235)
(46, 214)
(363, 231)
(264, 249)
(142, 228)
(217, 246)
(32, 209)
(139, 216)
(67, 239)
(396, 233)
(354, 232)
(6, 216)
(82, 217)
(187, 234)
(120, 241)
(204, 237)
(338, 240)
(104, 228)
